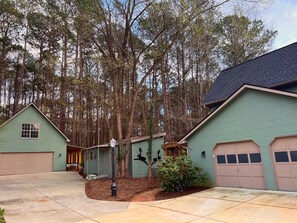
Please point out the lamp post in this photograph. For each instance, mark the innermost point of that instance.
(113, 184)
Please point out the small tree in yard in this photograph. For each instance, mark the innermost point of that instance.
(178, 173)
(2, 215)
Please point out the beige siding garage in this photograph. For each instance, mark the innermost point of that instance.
(239, 165)
(21, 163)
(284, 156)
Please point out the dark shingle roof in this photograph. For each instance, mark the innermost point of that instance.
(270, 70)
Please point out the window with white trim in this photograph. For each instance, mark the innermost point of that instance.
(29, 130)
(91, 155)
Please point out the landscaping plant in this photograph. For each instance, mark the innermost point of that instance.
(178, 173)
(2, 215)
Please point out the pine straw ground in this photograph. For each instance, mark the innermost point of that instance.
(133, 189)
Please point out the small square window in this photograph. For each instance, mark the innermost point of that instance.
(255, 158)
(243, 158)
(29, 131)
(281, 157)
(221, 159)
(231, 158)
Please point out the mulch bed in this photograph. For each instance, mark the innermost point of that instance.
(133, 189)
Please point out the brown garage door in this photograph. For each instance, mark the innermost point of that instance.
(239, 165)
(284, 156)
(21, 163)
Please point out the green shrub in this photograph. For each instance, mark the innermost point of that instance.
(177, 173)
(2, 212)
(202, 180)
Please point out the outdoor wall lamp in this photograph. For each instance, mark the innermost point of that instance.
(113, 183)
(60, 155)
(203, 154)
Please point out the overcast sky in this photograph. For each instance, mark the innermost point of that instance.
(282, 16)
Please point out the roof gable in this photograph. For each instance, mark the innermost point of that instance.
(269, 70)
(232, 98)
(46, 118)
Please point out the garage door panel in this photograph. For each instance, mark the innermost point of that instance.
(241, 148)
(21, 163)
(285, 183)
(234, 181)
(244, 170)
(232, 170)
(279, 145)
(222, 170)
(224, 181)
(246, 182)
(251, 147)
(292, 143)
(283, 170)
(295, 183)
(241, 169)
(258, 182)
(294, 170)
(257, 170)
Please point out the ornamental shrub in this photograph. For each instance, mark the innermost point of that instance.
(177, 173)
(2, 215)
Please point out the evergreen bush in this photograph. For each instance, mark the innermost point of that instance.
(177, 173)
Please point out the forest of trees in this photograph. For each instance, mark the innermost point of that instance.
(109, 68)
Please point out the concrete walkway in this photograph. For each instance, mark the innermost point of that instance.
(59, 197)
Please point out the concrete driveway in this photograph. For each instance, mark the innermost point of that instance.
(50, 198)
(59, 197)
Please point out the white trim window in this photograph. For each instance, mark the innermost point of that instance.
(91, 155)
(30, 131)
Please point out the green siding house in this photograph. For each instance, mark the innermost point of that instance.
(249, 140)
(97, 159)
(139, 155)
(31, 143)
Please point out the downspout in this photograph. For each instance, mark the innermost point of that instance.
(87, 162)
(132, 163)
(98, 161)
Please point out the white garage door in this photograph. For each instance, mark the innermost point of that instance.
(21, 163)
(239, 165)
(284, 155)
